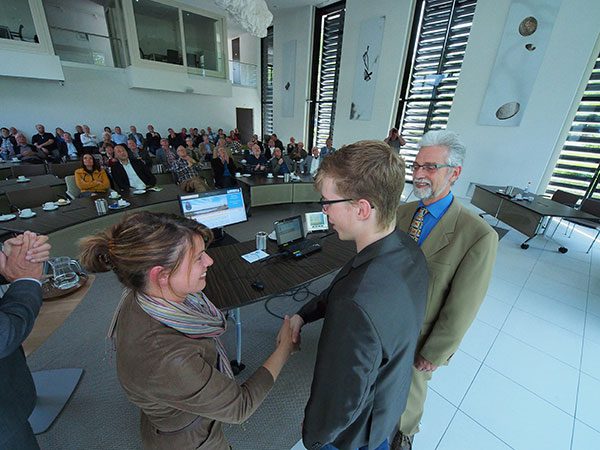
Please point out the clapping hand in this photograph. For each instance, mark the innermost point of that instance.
(23, 255)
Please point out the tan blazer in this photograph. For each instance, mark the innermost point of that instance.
(460, 253)
(174, 381)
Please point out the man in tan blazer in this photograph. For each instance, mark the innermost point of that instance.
(460, 249)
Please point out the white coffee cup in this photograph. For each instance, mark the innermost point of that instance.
(15, 159)
(269, 175)
(238, 174)
(27, 212)
(49, 205)
(114, 194)
(121, 202)
(21, 177)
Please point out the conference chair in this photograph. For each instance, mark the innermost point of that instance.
(30, 198)
(567, 199)
(28, 170)
(72, 189)
(590, 206)
(64, 169)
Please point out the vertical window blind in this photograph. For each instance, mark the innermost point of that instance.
(329, 30)
(578, 167)
(439, 40)
(266, 82)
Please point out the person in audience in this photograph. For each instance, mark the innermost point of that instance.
(67, 148)
(281, 164)
(234, 146)
(394, 140)
(220, 134)
(187, 172)
(233, 136)
(236, 135)
(170, 360)
(130, 173)
(194, 151)
(77, 138)
(196, 138)
(257, 141)
(152, 139)
(27, 153)
(13, 131)
(256, 163)
(460, 248)
(8, 144)
(89, 141)
(270, 149)
(208, 147)
(373, 309)
(58, 135)
(21, 264)
(138, 153)
(90, 178)
(106, 142)
(107, 130)
(312, 162)
(277, 141)
(108, 158)
(223, 167)
(212, 136)
(137, 137)
(299, 154)
(45, 142)
(165, 155)
(184, 134)
(329, 148)
(118, 137)
(174, 139)
(291, 147)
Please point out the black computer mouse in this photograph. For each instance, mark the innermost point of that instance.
(258, 286)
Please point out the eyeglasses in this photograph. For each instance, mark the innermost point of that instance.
(428, 167)
(325, 203)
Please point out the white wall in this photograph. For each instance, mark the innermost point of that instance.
(101, 96)
(398, 20)
(292, 24)
(516, 155)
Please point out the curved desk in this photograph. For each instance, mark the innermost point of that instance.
(272, 191)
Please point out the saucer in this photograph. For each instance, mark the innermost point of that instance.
(23, 180)
(247, 175)
(155, 189)
(116, 197)
(21, 216)
(117, 206)
(65, 203)
(279, 176)
(52, 208)
(139, 191)
(7, 217)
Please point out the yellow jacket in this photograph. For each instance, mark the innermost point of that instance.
(88, 183)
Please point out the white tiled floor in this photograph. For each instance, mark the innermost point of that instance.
(527, 375)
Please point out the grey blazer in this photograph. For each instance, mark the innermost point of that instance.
(373, 312)
(18, 309)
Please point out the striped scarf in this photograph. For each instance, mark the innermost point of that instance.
(196, 317)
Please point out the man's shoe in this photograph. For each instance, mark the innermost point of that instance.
(401, 441)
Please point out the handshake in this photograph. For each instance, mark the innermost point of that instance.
(289, 334)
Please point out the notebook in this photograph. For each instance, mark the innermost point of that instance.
(290, 238)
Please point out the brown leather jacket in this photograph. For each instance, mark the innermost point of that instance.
(174, 381)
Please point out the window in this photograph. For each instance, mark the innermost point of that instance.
(16, 21)
(578, 167)
(203, 44)
(88, 32)
(266, 82)
(438, 43)
(327, 51)
(158, 31)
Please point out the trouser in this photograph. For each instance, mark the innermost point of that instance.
(409, 421)
(21, 438)
(384, 446)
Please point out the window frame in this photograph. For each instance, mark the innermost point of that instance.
(44, 46)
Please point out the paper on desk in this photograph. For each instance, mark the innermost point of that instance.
(254, 256)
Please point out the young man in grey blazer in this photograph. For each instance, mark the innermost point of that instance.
(21, 261)
(372, 310)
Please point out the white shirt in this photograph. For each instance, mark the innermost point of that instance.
(71, 150)
(119, 138)
(88, 140)
(314, 165)
(134, 181)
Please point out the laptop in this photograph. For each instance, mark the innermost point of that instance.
(290, 238)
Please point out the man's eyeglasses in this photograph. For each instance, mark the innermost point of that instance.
(428, 167)
(325, 203)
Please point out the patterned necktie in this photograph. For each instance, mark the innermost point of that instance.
(417, 224)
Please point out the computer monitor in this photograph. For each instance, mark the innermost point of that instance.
(288, 231)
(215, 209)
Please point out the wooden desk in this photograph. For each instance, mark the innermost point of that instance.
(530, 218)
(35, 181)
(273, 191)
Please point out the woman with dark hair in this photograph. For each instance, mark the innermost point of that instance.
(169, 358)
(90, 178)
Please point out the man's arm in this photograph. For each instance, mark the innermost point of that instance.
(466, 294)
(346, 369)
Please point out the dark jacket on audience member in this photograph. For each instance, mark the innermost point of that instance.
(121, 179)
(218, 172)
(18, 309)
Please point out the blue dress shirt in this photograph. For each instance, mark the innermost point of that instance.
(435, 212)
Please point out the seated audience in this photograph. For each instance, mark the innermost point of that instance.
(90, 177)
(152, 139)
(165, 154)
(394, 140)
(67, 148)
(8, 144)
(77, 138)
(312, 162)
(174, 139)
(187, 172)
(224, 168)
(106, 141)
(329, 148)
(45, 142)
(130, 173)
(118, 137)
(27, 153)
(207, 146)
(89, 141)
(256, 163)
(291, 147)
(138, 153)
(137, 137)
(280, 164)
(170, 360)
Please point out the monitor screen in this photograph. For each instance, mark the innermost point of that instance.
(214, 209)
(289, 230)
